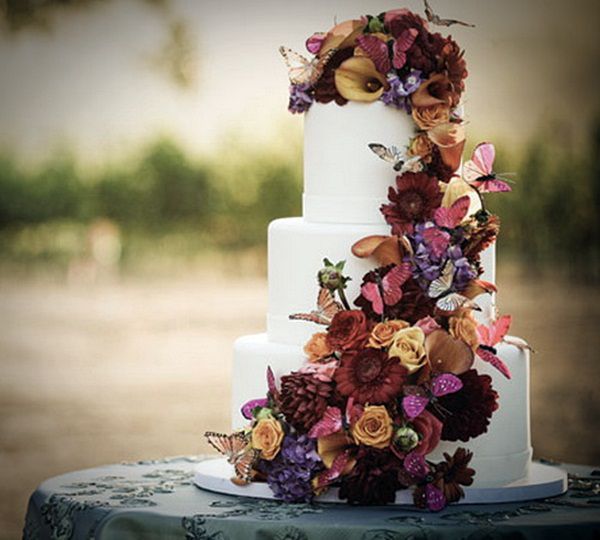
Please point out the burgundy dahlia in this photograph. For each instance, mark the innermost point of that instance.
(303, 399)
(369, 376)
(374, 478)
(455, 472)
(466, 413)
(325, 89)
(453, 64)
(415, 198)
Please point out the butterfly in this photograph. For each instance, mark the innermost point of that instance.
(450, 218)
(236, 447)
(327, 307)
(418, 472)
(446, 298)
(399, 160)
(437, 20)
(489, 337)
(478, 171)
(401, 45)
(437, 240)
(376, 50)
(417, 398)
(388, 291)
(332, 421)
(301, 70)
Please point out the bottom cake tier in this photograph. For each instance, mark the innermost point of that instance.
(500, 456)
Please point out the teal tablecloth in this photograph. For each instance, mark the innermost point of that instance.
(157, 499)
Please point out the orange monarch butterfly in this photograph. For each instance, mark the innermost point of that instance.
(236, 447)
(327, 307)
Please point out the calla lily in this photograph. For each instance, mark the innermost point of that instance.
(475, 287)
(357, 79)
(457, 188)
(385, 249)
(331, 446)
(342, 35)
(436, 89)
(450, 138)
(447, 354)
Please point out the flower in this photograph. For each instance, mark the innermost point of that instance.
(324, 89)
(383, 333)
(348, 330)
(422, 146)
(374, 478)
(453, 64)
(300, 98)
(400, 89)
(480, 236)
(304, 399)
(342, 35)
(289, 475)
(405, 439)
(438, 89)
(357, 79)
(399, 20)
(447, 354)
(374, 427)
(455, 472)
(429, 429)
(331, 446)
(267, 436)
(415, 198)
(369, 376)
(317, 347)
(408, 346)
(427, 118)
(464, 326)
(466, 413)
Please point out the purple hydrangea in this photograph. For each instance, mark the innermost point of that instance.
(401, 89)
(300, 98)
(289, 475)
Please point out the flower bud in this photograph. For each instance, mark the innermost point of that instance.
(406, 439)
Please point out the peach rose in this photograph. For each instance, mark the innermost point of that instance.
(383, 333)
(267, 437)
(317, 348)
(374, 427)
(464, 326)
(408, 346)
(421, 146)
(429, 117)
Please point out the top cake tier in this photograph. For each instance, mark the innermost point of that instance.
(344, 182)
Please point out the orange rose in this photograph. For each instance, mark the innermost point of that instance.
(317, 348)
(429, 117)
(421, 146)
(383, 333)
(464, 326)
(267, 437)
(374, 427)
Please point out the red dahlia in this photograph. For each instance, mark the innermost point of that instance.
(455, 472)
(466, 413)
(303, 399)
(414, 200)
(369, 376)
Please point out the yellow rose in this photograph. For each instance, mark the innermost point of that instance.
(383, 333)
(317, 348)
(429, 117)
(409, 346)
(374, 427)
(463, 326)
(267, 437)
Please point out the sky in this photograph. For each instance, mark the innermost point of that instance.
(88, 84)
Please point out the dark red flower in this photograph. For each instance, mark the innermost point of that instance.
(348, 330)
(454, 473)
(452, 63)
(369, 376)
(404, 20)
(325, 89)
(466, 413)
(374, 478)
(436, 167)
(304, 399)
(415, 198)
(429, 429)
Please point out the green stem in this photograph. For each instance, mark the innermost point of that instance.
(343, 298)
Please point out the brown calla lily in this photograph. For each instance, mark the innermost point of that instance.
(357, 79)
(331, 446)
(437, 89)
(447, 354)
(385, 249)
(450, 138)
(342, 35)
(475, 287)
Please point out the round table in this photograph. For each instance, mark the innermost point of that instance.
(157, 499)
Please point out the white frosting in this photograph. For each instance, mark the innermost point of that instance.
(344, 182)
(501, 455)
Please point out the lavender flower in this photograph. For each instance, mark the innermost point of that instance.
(289, 475)
(401, 89)
(300, 98)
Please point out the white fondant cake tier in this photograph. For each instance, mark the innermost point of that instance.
(344, 182)
(501, 456)
(296, 251)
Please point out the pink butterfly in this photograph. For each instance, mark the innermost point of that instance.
(418, 470)
(452, 217)
(402, 45)
(437, 240)
(478, 171)
(391, 287)
(489, 337)
(377, 51)
(332, 422)
(328, 476)
(417, 398)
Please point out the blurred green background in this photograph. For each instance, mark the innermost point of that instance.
(145, 146)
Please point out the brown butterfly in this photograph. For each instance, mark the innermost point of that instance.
(301, 70)
(327, 307)
(433, 18)
(236, 447)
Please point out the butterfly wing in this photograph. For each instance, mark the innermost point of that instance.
(442, 284)
(488, 356)
(494, 333)
(243, 466)
(228, 445)
(327, 305)
(390, 155)
(376, 50)
(402, 45)
(451, 302)
(300, 69)
(437, 240)
(414, 405)
(493, 185)
(444, 384)
(331, 422)
(328, 476)
(436, 500)
(249, 406)
(371, 292)
(452, 217)
(483, 157)
(416, 465)
(392, 283)
(412, 164)
(472, 172)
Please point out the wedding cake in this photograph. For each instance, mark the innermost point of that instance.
(385, 365)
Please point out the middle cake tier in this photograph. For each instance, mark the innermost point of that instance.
(296, 251)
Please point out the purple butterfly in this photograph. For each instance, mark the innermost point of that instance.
(249, 406)
(417, 398)
(418, 470)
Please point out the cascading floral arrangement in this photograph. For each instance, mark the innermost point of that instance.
(389, 379)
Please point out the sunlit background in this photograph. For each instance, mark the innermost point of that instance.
(144, 147)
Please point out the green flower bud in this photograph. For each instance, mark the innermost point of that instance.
(331, 276)
(406, 439)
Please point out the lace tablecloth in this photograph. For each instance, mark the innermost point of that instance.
(157, 499)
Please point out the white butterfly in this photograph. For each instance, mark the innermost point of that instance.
(399, 160)
(301, 70)
(446, 299)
